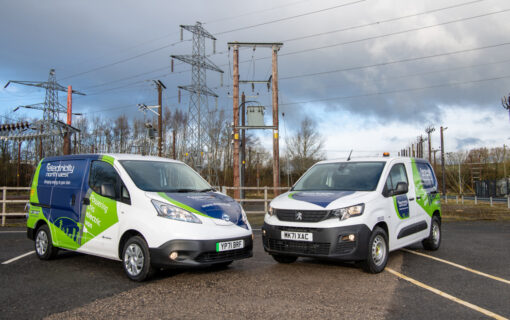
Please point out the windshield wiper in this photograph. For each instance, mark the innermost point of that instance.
(206, 190)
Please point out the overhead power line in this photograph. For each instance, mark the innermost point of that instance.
(356, 27)
(298, 38)
(394, 61)
(122, 60)
(398, 91)
(394, 33)
(223, 32)
(290, 17)
(382, 21)
(255, 12)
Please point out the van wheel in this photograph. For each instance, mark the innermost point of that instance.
(136, 259)
(43, 244)
(377, 251)
(280, 258)
(434, 240)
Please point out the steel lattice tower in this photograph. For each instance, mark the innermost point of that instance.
(199, 92)
(51, 126)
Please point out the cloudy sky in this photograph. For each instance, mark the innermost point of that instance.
(371, 74)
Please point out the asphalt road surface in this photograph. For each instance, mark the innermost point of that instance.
(81, 286)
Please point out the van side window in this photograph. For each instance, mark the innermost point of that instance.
(104, 180)
(397, 174)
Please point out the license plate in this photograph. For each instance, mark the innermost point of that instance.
(297, 236)
(229, 245)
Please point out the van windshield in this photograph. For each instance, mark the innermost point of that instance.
(156, 176)
(344, 176)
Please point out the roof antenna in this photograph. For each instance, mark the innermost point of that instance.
(349, 157)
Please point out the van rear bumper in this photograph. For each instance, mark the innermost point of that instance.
(198, 252)
(327, 242)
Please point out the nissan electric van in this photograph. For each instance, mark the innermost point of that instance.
(356, 210)
(147, 212)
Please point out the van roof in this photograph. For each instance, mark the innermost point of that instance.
(371, 159)
(117, 156)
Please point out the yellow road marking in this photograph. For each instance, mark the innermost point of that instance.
(458, 266)
(446, 295)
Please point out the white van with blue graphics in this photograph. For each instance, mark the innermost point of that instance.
(147, 212)
(357, 210)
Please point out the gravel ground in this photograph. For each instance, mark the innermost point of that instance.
(253, 289)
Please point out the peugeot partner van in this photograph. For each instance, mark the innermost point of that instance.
(147, 212)
(357, 210)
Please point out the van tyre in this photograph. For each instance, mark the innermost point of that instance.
(434, 240)
(280, 258)
(136, 259)
(43, 244)
(378, 251)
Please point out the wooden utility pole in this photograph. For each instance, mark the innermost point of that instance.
(243, 144)
(442, 162)
(160, 87)
(276, 147)
(275, 47)
(67, 135)
(173, 145)
(18, 173)
(236, 122)
(429, 130)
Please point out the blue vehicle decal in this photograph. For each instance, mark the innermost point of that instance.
(320, 198)
(211, 204)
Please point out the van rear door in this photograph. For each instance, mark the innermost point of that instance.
(66, 177)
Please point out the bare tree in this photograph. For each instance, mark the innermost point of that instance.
(306, 147)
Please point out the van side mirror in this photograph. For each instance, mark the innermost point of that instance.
(108, 190)
(401, 188)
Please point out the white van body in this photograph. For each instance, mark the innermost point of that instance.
(334, 208)
(117, 206)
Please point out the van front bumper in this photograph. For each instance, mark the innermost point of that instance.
(327, 242)
(198, 252)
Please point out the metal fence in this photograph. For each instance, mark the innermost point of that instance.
(462, 199)
(265, 200)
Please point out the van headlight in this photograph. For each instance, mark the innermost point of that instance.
(347, 212)
(270, 210)
(244, 217)
(169, 211)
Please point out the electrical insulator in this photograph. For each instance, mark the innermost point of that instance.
(221, 79)
(216, 99)
(172, 65)
(214, 46)
(179, 96)
(181, 34)
(252, 87)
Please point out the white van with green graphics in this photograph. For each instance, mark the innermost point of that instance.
(356, 210)
(147, 212)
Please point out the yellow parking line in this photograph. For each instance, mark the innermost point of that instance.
(447, 296)
(459, 266)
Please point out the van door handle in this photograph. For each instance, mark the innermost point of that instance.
(73, 200)
(411, 199)
(418, 197)
(86, 201)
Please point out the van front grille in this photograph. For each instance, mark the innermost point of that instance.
(212, 257)
(299, 247)
(302, 215)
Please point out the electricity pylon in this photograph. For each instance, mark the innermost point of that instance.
(198, 107)
(50, 126)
